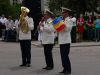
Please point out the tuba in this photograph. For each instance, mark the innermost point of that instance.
(23, 22)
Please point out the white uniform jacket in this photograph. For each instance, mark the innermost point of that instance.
(74, 21)
(9, 24)
(27, 36)
(64, 37)
(47, 32)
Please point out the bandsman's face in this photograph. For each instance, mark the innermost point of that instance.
(25, 14)
(64, 14)
(46, 16)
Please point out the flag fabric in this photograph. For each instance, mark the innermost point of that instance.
(58, 24)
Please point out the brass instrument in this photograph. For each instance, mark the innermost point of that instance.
(23, 22)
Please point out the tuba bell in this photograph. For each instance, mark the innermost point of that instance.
(23, 22)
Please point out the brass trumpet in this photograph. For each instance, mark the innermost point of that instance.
(23, 22)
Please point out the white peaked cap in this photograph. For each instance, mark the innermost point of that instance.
(65, 9)
(48, 11)
(25, 9)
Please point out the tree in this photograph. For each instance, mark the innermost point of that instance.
(79, 6)
(3, 6)
(7, 9)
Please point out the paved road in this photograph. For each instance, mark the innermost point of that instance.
(85, 60)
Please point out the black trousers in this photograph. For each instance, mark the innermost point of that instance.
(97, 34)
(73, 34)
(26, 51)
(2, 26)
(48, 54)
(64, 50)
(90, 33)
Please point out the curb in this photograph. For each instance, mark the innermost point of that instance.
(57, 46)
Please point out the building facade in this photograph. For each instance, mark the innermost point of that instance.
(44, 4)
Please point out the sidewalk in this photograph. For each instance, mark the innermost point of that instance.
(79, 44)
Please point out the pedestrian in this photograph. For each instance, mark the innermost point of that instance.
(39, 30)
(3, 19)
(9, 29)
(64, 39)
(90, 27)
(80, 27)
(47, 38)
(26, 24)
(97, 22)
(73, 31)
(16, 23)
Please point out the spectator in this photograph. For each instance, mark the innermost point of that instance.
(9, 23)
(0, 21)
(73, 31)
(97, 22)
(3, 19)
(9, 26)
(90, 27)
(16, 23)
(80, 27)
(2, 24)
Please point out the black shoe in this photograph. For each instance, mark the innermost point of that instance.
(48, 68)
(65, 72)
(22, 65)
(44, 68)
(28, 65)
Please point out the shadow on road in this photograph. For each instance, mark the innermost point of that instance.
(16, 68)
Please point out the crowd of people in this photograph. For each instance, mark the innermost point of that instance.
(8, 28)
(88, 28)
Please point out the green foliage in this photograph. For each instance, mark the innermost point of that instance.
(15, 10)
(4, 6)
(78, 6)
(9, 10)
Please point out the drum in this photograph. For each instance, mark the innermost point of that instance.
(59, 24)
